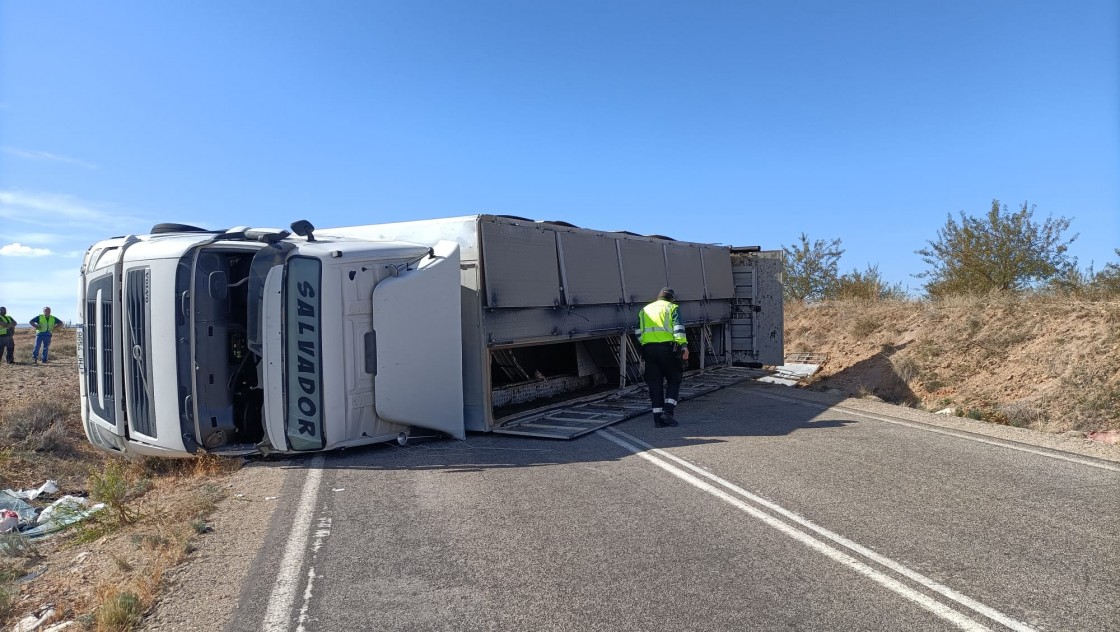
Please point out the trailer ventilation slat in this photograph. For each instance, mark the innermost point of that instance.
(588, 415)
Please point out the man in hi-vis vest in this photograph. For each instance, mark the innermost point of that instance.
(7, 334)
(44, 325)
(662, 337)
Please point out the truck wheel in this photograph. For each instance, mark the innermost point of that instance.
(160, 229)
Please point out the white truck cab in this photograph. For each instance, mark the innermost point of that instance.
(256, 340)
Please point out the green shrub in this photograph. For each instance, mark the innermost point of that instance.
(114, 486)
(119, 613)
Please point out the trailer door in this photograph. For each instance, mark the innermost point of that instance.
(418, 340)
(757, 321)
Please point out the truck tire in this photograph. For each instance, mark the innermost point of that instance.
(160, 229)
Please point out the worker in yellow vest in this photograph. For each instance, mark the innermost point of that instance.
(664, 345)
(44, 325)
(7, 334)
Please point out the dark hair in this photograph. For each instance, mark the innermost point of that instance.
(667, 293)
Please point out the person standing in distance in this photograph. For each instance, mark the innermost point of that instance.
(7, 335)
(44, 325)
(662, 336)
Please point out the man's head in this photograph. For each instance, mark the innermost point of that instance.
(47, 311)
(666, 294)
(3, 311)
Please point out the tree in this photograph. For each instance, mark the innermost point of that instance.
(1107, 281)
(1004, 251)
(866, 286)
(811, 269)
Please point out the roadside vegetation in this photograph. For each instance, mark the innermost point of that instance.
(1009, 330)
(106, 571)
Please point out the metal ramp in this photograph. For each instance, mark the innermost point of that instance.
(589, 414)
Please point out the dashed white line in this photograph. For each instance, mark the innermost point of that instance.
(666, 461)
(278, 617)
(303, 611)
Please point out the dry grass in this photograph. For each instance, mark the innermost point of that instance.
(1046, 363)
(108, 570)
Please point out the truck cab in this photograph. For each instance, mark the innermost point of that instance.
(248, 340)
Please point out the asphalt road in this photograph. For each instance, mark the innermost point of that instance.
(760, 512)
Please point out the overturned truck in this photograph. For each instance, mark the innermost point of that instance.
(258, 340)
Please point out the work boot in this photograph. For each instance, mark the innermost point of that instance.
(667, 419)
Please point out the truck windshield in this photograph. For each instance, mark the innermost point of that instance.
(265, 259)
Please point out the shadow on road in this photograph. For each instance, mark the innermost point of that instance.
(737, 411)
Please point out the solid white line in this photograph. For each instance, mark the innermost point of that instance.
(931, 584)
(936, 607)
(278, 617)
(960, 434)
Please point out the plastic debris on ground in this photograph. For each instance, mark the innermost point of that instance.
(62, 513)
(9, 520)
(34, 622)
(25, 511)
(48, 487)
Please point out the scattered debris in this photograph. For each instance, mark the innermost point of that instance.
(48, 487)
(9, 520)
(797, 367)
(25, 511)
(35, 621)
(1110, 437)
(946, 411)
(62, 513)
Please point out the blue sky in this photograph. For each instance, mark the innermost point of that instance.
(745, 123)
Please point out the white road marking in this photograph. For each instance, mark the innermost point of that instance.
(960, 434)
(278, 617)
(662, 460)
(306, 601)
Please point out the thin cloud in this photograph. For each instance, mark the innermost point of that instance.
(35, 154)
(47, 209)
(33, 238)
(19, 250)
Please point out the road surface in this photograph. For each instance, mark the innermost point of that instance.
(767, 509)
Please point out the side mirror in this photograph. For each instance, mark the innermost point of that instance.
(303, 228)
(218, 285)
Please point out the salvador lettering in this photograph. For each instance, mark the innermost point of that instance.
(302, 344)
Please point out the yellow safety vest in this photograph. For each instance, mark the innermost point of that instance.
(660, 322)
(46, 323)
(6, 323)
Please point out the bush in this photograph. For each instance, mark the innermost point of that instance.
(119, 613)
(865, 286)
(115, 487)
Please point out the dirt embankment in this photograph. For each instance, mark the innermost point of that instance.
(1041, 363)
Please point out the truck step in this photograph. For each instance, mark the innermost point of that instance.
(574, 420)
